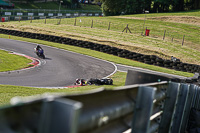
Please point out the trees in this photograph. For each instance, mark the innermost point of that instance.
(195, 4)
(178, 5)
(112, 7)
(116, 7)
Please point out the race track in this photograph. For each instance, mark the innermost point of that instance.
(59, 69)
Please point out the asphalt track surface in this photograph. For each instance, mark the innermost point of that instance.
(59, 69)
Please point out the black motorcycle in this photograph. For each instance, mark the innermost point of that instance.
(96, 81)
(40, 53)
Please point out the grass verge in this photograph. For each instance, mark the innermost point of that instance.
(10, 62)
(7, 91)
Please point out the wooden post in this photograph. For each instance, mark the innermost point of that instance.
(126, 28)
(109, 26)
(145, 31)
(75, 22)
(92, 24)
(164, 35)
(183, 40)
(19, 18)
(60, 20)
(45, 20)
(9, 19)
(31, 19)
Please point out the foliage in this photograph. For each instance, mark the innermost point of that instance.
(116, 7)
(112, 7)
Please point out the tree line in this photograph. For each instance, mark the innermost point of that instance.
(117, 7)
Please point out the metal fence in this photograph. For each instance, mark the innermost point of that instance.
(146, 108)
(37, 12)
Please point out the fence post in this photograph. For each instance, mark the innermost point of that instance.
(45, 20)
(188, 106)
(179, 109)
(60, 20)
(164, 35)
(31, 19)
(126, 28)
(19, 18)
(143, 109)
(169, 106)
(92, 24)
(109, 26)
(75, 22)
(183, 40)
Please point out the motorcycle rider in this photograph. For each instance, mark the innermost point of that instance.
(81, 82)
(38, 48)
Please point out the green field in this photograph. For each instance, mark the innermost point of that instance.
(99, 33)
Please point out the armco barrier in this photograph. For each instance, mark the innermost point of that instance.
(148, 59)
(146, 108)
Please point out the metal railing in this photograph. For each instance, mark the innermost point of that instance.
(46, 11)
(146, 108)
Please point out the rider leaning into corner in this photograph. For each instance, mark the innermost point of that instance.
(39, 51)
(38, 47)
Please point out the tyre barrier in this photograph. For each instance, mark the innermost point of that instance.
(147, 59)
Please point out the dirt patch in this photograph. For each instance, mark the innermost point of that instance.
(178, 19)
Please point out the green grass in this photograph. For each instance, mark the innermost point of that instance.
(9, 62)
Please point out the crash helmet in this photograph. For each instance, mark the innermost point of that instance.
(77, 80)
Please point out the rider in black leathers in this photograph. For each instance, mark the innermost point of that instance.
(38, 47)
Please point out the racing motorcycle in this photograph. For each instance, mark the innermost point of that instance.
(95, 81)
(40, 53)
